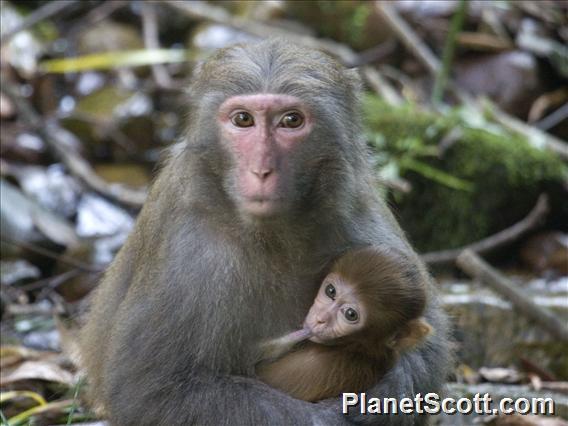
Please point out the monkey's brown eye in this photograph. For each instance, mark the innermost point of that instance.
(351, 315)
(242, 119)
(330, 291)
(292, 120)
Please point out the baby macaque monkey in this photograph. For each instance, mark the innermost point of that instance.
(367, 311)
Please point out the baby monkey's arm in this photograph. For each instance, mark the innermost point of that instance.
(275, 348)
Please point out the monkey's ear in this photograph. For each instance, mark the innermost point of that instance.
(413, 333)
(195, 74)
(353, 78)
(197, 68)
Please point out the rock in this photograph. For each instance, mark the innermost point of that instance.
(97, 217)
(547, 251)
(509, 78)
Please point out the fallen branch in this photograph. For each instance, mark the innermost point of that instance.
(59, 140)
(553, 119)
(63, 258)
(477, 268)
(407, 36)
(535, 136)
(52, 282)
(151, 41)
(379, 85)
(506, 236)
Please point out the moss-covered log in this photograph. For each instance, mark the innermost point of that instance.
(469, 180)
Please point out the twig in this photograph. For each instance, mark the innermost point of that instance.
(448, 54)
(556, 386)
(407, 36)
(51, 282)
(151, 41)
(49, 9)
(476, 267)
(59, 141)
(534, 135)
(506, 236)
(35, 309)
(375, 54)
(553, 119)
(376, 81)
(63, 258)
(396, 184)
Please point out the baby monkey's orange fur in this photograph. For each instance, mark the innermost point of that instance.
(366, 312)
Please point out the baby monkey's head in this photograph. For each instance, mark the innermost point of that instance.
(370, 293)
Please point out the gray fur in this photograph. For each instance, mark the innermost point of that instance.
(172, 329)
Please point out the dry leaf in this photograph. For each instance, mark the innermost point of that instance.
(38, 370)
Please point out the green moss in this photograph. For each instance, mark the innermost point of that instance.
(504, 173)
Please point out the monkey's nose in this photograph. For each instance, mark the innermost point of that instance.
(262, 174)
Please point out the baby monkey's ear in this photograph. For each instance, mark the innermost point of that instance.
(412, 334)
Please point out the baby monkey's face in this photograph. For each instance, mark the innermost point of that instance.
(336, 312)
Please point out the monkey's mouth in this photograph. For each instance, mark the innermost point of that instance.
(312, 333)
(262, 206)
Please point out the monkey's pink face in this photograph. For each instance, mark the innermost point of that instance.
(262, 132)
(336, 312)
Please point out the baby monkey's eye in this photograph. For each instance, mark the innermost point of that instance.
(242, 119)
(351, 315)
(292, 120)
(330, 291)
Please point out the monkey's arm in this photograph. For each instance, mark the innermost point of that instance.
(275, 348)
(150, 389)
(203, 398)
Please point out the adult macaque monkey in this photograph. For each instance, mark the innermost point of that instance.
(270, 184)
(365, 315)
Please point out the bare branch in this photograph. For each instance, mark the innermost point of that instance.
(534, 135)
(506, 236)
(151, 41)
(63, 258)
(476, 267)
(379, 84)
(407, 36)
